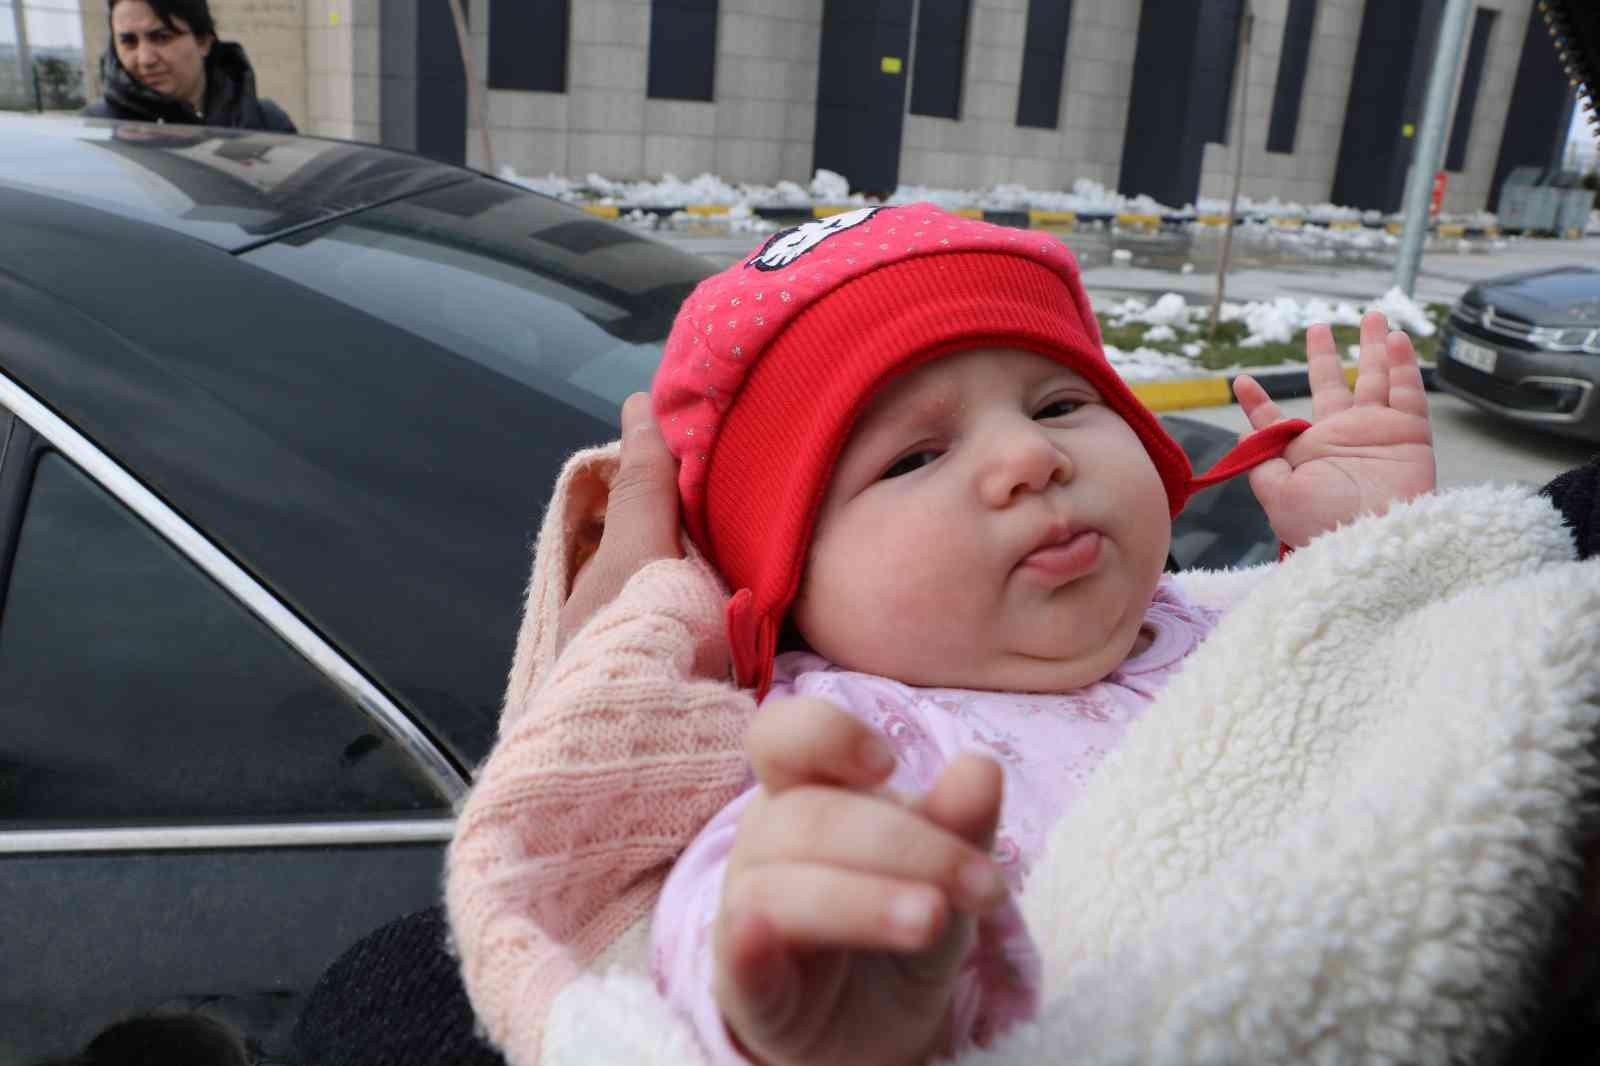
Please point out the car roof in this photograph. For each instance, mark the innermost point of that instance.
(230, 188)
(385, 484)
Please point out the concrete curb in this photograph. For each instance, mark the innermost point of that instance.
(1052, 220)
(1217, 391)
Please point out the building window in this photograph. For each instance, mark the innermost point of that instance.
(683, 49)
(1291, 75)
(1455, 158)
(1216, 62)
(528, 44)
(1044, 61)
(940, 57)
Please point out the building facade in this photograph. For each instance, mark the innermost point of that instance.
(1143, 96)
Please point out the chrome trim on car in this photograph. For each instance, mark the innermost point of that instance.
(1544, 338)
(219, 837)
(235, 580)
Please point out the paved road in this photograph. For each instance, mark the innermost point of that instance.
(1471, 446)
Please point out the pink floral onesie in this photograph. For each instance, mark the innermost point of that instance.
(1047, 746)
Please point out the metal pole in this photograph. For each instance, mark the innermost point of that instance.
(1246, 24)
(1430, 141)
(24, 53)
(475, 93)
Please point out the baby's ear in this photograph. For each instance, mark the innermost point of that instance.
(587, 496)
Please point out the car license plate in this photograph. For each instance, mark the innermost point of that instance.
(1474, 355)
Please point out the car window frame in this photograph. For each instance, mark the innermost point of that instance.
(31, 429)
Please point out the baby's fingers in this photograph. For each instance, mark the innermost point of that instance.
(874, 835)
(1406, 390)
(1257, 405)
(966, 799)
(809, 905)
(804, 741)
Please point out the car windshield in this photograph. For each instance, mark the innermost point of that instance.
(508, 279)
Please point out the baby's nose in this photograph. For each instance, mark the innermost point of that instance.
(1020, 459)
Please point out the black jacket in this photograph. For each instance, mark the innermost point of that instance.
(230, 95)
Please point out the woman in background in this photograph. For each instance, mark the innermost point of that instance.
(165, 64)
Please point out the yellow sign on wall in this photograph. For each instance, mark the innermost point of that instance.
(892, 64)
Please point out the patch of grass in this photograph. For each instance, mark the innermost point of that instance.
(1225, 351)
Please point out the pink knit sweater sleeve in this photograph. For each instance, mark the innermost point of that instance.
(610, 759)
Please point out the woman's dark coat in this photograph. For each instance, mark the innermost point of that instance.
(231, 98)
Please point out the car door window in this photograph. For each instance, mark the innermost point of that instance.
(135, 690)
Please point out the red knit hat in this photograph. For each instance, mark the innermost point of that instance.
(770, 361)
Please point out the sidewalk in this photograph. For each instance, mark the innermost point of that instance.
(1117, 266)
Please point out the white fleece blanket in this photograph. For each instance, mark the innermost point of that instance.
(1344, 834)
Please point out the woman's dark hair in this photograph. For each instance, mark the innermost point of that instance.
(196, 14)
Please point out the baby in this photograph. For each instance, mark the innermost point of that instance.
(902, 446)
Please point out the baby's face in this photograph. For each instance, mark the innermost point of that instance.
(991, 524)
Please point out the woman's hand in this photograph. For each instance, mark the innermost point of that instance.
(1363, 452)
(641, 522)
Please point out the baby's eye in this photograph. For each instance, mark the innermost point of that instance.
(1058, 409)
(906, 464)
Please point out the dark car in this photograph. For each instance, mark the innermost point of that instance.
(1527, 347)
(279, 416)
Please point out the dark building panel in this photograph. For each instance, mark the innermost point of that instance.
(1455, 157)
(1386, 94)
(941, 55)
(527, 44)
(1044, 62)
(1292, 58)
(861, 91)
(683, 50)
(441, 86)
(1182, 85)
(397, 67)
(1541, 109)
(1217, 57)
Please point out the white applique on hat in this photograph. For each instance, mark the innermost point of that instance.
(789, 245)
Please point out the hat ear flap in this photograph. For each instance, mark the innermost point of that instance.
(753, 640)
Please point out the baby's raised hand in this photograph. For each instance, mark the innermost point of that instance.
(847, 912)
(1363, 452)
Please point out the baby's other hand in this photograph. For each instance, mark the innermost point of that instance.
(1363, 452)
(847, 912)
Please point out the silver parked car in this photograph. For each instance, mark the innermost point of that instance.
(1527, 347)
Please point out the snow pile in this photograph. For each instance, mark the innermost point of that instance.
(1171, 310)
(1404, 313)
(1086, 197)
(829, 187)
(670, 191)
(1149, 364)
(554, 185)
(1317, 239)
(1276, 208)
(741, 219)
(1277, 321)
